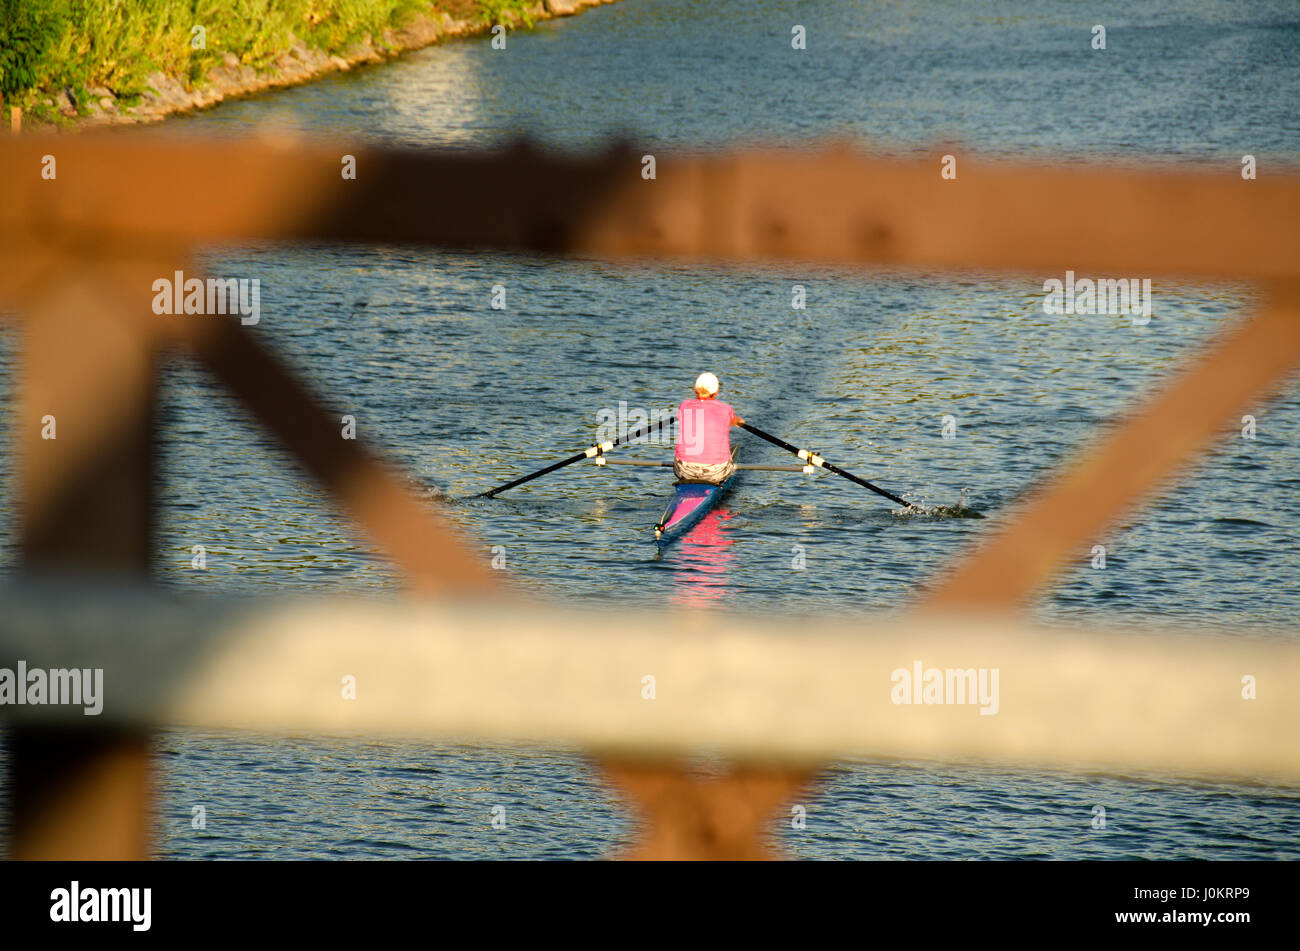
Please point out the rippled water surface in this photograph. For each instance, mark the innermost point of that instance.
(465, 396)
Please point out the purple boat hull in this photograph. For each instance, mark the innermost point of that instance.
(691, 501)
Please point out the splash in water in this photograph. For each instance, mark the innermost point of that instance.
(960, 510)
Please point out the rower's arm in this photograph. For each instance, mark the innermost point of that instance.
(736, 420)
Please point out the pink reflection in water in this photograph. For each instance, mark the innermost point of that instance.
(701, 560)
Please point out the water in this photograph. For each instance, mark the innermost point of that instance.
(465, 397)
(1190, 79)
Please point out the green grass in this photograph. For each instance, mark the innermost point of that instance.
(504, 11)
(50, 45)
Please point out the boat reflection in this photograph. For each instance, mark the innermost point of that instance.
(702, 561)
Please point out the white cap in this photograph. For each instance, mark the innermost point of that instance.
(707, 382)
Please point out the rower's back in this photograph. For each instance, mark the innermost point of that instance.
(704, 431)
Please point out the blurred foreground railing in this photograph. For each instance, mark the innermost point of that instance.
(672, 684)
(88, 224)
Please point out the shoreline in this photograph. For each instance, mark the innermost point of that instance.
(169, 95)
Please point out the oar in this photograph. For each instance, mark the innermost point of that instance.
(813, 459)
(578, 457)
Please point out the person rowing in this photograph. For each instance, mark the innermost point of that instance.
(702, 458)
(704, 439)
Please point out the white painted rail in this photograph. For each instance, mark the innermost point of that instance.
(765, 689)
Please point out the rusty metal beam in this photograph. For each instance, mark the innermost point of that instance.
(86, 483)
(687, 815)
(81, 794)
(833, 205)
(407, 528)
(86, 489)
(432, 555)
(1110, 479)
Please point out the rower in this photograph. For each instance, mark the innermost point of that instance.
(704, 442)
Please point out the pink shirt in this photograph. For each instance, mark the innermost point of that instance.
(705, 428)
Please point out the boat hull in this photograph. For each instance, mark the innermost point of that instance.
(691, 501)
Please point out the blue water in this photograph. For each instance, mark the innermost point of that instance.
(464, 396)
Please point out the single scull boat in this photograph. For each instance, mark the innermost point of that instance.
(691, 501)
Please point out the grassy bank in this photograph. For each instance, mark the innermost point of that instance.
(61, 58)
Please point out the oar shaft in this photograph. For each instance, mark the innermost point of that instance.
(813, 459)
(579, 456)
(866, 485)
(774, 440)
